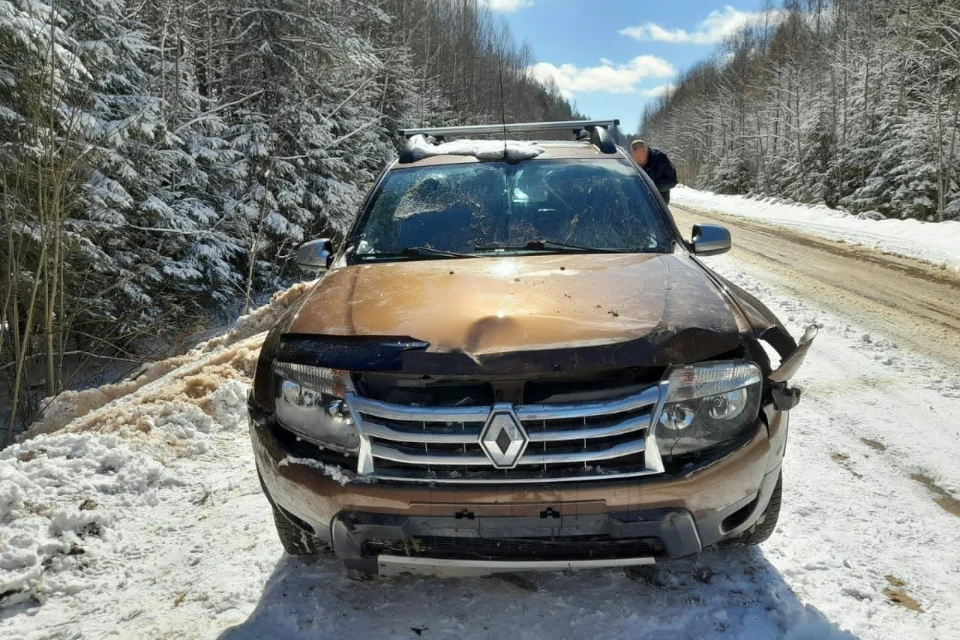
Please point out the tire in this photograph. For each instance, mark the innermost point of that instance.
(762, 529)
(295, 540)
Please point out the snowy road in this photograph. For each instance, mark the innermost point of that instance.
(912, 302)
(144, 518)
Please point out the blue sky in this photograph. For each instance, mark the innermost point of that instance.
(611, 56)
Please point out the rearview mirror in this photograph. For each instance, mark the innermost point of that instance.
(316, 255)
(709, 239)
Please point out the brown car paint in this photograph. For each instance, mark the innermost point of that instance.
(484, 306)
(533, 316)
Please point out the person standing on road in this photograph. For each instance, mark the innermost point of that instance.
(657, 165)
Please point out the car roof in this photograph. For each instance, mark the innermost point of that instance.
(552, 150)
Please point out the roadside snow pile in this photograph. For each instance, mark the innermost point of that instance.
(512, 150)
(934, 242)
(262, 318)
(53, 530)
(197, 373)
(65, 497)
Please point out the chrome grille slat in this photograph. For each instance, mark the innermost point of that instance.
(389, 453)
(628, 425)
(565, 442)
(495, 479)
(645, 398)
(403, 413)
(617, 451)
(385, 432)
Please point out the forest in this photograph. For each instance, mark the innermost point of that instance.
(160, 161)
(848, 103)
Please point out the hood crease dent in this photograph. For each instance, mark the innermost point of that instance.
(520, 315)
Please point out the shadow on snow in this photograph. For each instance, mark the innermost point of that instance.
(730, 593)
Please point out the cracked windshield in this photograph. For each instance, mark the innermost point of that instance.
(483, 207)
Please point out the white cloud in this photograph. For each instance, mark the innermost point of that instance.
(607, 77)
(507, 6)
(715, 27)
(659, 90)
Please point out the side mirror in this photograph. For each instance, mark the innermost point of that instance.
(316, 255)
(709, 239)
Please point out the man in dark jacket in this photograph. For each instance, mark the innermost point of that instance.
(657, 165)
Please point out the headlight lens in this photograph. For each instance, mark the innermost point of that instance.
(707, 405)
(726, 406)
(310, 402)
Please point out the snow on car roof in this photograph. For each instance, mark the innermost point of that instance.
(465, 151)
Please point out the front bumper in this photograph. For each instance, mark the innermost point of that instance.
(378, 543)
(391, 528)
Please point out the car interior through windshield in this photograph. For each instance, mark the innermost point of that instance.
(473, 208)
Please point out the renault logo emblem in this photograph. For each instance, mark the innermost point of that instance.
(503, 438)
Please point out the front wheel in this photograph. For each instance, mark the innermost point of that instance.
(295, 540)
(760, 530)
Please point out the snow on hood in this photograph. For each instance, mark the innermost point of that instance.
(510, 150)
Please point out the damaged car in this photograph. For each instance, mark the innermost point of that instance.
(515, 361)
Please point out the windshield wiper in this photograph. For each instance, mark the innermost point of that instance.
(429, 251)
(413, 252)
(549, 245)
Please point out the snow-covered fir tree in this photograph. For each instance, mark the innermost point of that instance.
(853, 104)
(160, 162)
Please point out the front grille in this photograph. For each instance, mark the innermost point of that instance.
(563, 441)
(555, 548)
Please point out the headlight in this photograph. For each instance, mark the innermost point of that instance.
(707, 405)
(310, 402)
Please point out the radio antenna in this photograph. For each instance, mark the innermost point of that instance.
(503, 110)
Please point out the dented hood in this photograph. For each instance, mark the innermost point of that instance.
(487, 308)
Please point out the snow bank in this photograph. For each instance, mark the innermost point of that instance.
(261, 319)
(934, 242)
(53, 531)
(63, 496)
(511, 150)
(199, 372)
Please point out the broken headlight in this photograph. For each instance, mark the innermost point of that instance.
(707, 405)
(310, 403)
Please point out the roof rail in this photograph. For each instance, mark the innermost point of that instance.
(596, 129)
(575, 126)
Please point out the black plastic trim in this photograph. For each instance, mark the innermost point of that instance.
(675, 528)
(353, 353)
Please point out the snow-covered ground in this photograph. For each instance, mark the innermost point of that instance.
(934, 242)
(143, 518)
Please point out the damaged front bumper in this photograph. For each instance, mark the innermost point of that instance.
(392, 544)
(392, 528)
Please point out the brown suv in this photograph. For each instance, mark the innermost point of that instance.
(514, 362)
